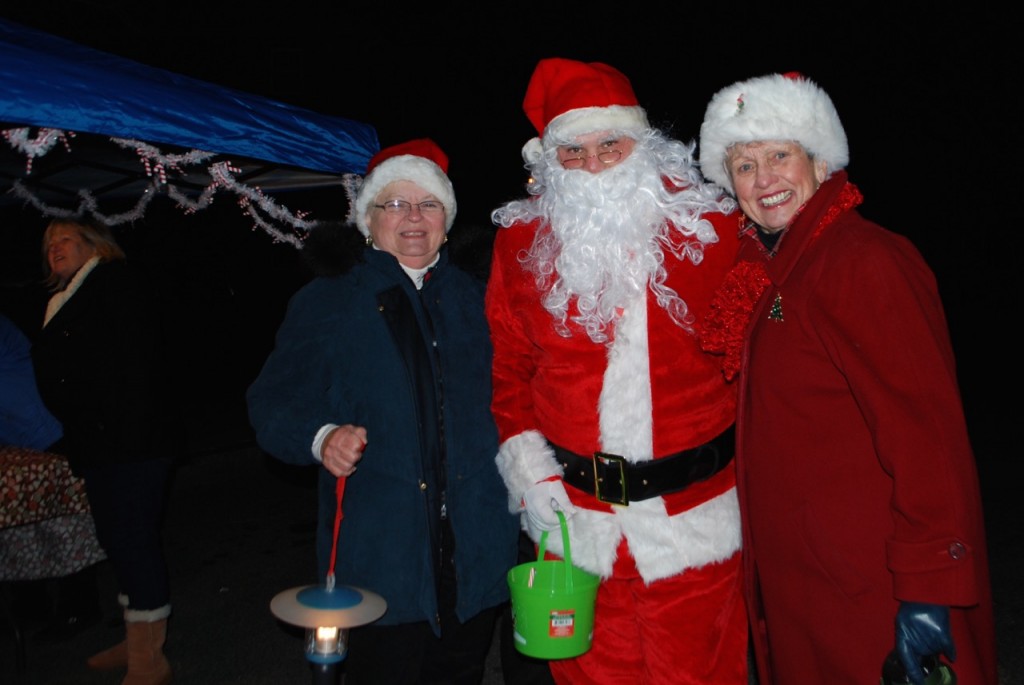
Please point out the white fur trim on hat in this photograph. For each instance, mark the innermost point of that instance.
(533, 150)
(766, 108)
(419, 170)
(565, 127)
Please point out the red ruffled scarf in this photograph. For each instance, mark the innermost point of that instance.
(723, 330)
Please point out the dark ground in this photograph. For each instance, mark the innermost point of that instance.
(240, 530)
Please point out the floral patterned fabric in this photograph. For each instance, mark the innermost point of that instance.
(46, 529)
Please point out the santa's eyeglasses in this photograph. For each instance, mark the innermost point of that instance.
(606, 157)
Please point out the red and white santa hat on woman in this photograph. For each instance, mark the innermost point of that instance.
(774, 107)
(566, 98)
(420, 161)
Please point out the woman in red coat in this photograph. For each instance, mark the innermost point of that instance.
(862, 519)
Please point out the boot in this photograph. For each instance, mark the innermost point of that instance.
(147, 664)
(110, 659)
(114, 657)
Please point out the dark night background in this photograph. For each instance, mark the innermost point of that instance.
(925, 91)
(929, 95)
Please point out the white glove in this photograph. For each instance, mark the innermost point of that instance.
(542, 501)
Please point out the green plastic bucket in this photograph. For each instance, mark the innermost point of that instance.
(552, 604)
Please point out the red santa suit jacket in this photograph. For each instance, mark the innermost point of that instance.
(651, 392)
(857, 483)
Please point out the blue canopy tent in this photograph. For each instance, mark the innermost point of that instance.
(87, 133)
(84, 126)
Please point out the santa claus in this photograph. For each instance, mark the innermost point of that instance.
(606, 407)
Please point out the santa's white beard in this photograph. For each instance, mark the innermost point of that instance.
(604, 246)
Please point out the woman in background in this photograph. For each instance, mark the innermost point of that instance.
(98, 368)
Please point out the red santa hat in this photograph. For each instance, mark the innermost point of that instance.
(773, 107)
(566, 98)
(420, 161)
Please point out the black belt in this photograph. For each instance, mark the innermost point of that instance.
(614, 480)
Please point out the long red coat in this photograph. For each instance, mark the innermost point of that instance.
(857, 482)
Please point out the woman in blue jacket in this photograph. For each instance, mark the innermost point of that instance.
(381, 373)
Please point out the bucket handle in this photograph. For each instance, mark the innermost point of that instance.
(542, 547)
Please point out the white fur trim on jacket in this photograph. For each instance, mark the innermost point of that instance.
(661, 545)
(625, 406)
(524, 460)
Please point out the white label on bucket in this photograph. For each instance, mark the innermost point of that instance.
(562, 623)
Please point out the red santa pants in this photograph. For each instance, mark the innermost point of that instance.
(688, 629)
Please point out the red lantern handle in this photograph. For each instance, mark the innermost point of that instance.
(339, 495)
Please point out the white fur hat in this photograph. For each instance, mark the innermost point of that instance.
(420, 161)
(773, 107)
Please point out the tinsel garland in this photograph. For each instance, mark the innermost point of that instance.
(280, 223)
(45, 139)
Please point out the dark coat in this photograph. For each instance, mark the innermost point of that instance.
(98, 367)
(345, 354)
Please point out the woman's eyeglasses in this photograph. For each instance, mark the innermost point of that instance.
(403, 207)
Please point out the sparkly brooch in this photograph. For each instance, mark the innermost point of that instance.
(775, 313)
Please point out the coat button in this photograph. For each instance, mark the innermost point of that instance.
(957, 550)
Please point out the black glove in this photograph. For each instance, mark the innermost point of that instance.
(922, 630)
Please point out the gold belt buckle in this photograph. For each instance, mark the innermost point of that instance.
(610, 479)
